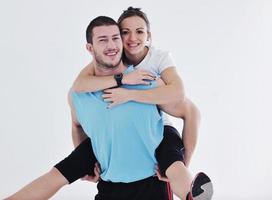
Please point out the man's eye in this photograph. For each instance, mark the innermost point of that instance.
(117, 38)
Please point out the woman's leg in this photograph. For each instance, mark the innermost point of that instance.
(170, 156)
(41, 188)
(79, 163)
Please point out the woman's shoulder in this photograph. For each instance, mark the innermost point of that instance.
(158, 53)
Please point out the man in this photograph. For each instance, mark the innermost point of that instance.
(124, 138)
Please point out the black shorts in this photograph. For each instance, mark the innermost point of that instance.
(170, 150)
(79, 163)
(82, 160)
(147, 189)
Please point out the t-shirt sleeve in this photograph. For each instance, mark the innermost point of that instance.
(166, 60)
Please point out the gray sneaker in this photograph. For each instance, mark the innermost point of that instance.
(201, 188)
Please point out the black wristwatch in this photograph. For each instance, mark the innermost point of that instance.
(118, 78)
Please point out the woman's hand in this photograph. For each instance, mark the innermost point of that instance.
(138, 77)
(117, 96)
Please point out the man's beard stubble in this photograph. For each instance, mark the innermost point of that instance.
(102, 64)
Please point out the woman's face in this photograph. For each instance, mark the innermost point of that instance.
(134, 35)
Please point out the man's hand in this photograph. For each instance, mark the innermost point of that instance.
(96, 176)
(138, 77)
(117, 96)
(160, 177)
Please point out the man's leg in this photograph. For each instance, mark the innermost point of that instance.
(42, 188)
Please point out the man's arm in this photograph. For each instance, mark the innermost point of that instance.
(78, 134)
(86, 81)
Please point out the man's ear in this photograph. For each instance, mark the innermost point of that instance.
(89, 48)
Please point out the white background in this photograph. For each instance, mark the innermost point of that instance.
(223, 53)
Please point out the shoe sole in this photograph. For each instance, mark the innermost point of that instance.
(206, 191)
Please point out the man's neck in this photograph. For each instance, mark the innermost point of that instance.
(104, 71)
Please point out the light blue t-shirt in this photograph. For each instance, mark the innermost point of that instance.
(124, 138)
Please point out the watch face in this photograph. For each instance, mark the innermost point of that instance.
(118, 78)
(118, 75)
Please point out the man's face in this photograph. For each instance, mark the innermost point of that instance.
(107, 46)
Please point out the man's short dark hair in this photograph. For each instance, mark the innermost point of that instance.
(98, 21)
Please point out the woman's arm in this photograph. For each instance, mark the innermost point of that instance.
(86, 81)
(171, 92)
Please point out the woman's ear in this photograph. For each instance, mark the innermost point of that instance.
(148, 40)
(148, 36)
